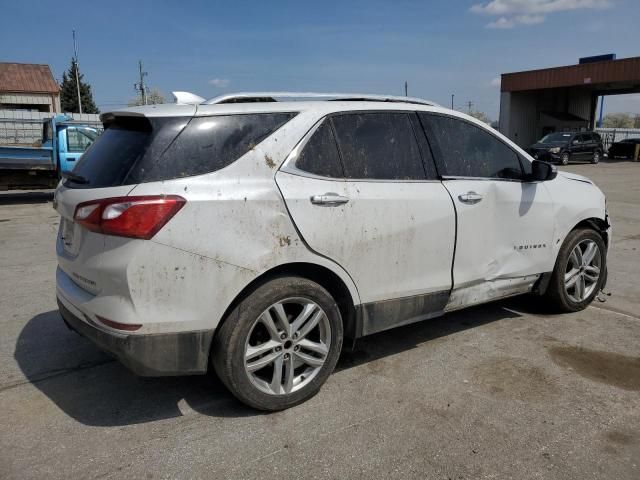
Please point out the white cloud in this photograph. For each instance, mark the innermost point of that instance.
(510, 13)
(219, 82)
(495, 82)
(529, 19)
(502, 22)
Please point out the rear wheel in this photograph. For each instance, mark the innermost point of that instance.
(564, 158)
(596, 156)
(279, 344)
(579, 271)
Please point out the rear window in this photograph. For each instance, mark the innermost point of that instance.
(137, 149)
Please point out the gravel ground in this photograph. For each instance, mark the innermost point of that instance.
(499, 391)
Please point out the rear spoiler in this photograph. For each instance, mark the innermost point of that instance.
(187, 98)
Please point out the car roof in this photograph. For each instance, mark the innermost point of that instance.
(320, 107)
(188, 104)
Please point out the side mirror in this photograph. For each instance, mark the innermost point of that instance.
(575, 142)
(542, 171)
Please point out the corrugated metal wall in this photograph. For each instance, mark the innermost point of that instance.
(519, 120)
(623, 70)
(520, 112)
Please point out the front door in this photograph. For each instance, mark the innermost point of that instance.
(505, 225)
(373, 209)
(72, 143)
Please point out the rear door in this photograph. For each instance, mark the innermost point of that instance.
(505, 225)
(360, 194)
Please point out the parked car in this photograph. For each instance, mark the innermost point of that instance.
(563, 147)
(253, 236)
(64, 140)
(624, 148)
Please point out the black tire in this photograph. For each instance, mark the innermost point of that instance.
(596, 157)
(556, 294)
(228, 347)
(564, 158)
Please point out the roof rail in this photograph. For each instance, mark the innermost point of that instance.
(247, 97)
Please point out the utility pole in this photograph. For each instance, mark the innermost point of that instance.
(75, 60)
(452, 95)
(469, 104)
(141, 86)
(406, 89)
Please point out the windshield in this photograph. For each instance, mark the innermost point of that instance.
(556, 138)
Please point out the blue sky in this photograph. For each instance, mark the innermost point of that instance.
(208, 47)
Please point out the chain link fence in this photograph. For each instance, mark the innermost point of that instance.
(612, 135)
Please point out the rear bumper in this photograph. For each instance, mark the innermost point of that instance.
(165, 354)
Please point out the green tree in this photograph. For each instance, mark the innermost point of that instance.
(483, 117)
(69, 92)
(617, 120)
(154, 96)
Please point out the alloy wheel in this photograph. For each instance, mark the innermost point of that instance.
(287, 346)
(583, 271)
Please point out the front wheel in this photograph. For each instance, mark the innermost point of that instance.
(596, 157)
(279, 344)
(579, 272)
(564, 158)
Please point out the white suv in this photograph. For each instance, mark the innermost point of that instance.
(252, 235)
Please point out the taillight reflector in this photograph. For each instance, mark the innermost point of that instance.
(135, 217)
(129, 327)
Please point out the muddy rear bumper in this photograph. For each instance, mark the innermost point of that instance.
(152, 355)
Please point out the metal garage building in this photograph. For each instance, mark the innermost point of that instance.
(537, 102)
(27, 86)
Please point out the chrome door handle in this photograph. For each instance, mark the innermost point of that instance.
(329, 199)
(470, 198)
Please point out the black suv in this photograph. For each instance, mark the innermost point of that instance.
(564, 146)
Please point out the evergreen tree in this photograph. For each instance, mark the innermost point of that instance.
(69, 92)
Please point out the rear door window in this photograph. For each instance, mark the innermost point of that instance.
(378, 145)
(320, 155)
(138, 149)
(466, 150)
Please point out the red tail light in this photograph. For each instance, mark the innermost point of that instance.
(136, 217)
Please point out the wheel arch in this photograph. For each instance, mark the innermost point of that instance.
(594, 223)
(320, 274)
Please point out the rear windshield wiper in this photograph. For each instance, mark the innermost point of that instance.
(74, 177)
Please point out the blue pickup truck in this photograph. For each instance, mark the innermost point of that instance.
(64, 140)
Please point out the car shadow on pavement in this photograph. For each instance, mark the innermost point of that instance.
(403, 338)
(12, 198)
(95, 389)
